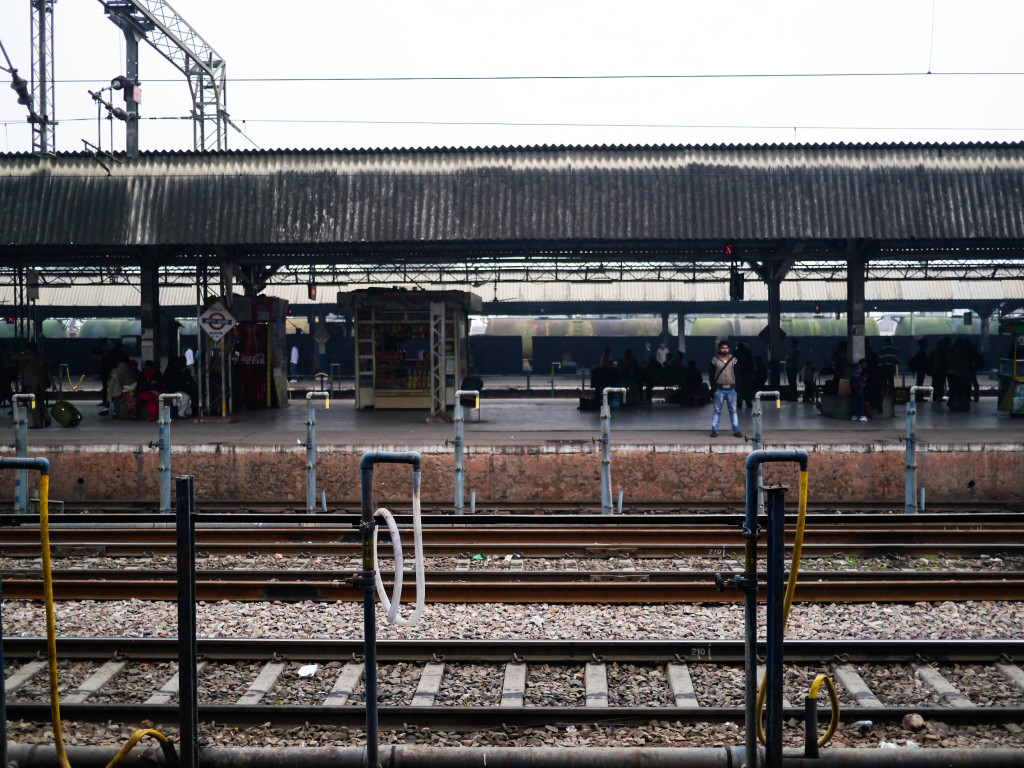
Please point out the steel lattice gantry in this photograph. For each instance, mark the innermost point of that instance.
(175, 39)
(43, 98)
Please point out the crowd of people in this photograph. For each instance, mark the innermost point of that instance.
(735, 375)
(126, 391)
(131, 393)
(639, 377)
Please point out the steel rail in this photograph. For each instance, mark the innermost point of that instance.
(547, 651)
(622, 535)
(489, 508)
(539, 519)
(487, 717)
(656, 550)
(591, 587)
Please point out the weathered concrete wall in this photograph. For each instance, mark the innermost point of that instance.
(541, 473)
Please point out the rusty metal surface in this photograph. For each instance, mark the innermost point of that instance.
(543, 541)
(630, 587)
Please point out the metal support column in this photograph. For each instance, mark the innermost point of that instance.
(910, 504)
(367, 580)
(856, 267)
(757, 439)
(606, 450)
(149, 312)
(20, 413)
(438, 364)
(310, 444)
(776, 623)
(775, 353)
(458, 442)
(188, 653)
(164, 446)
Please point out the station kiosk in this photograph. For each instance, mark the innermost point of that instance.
(1011, 368)
(411, 347)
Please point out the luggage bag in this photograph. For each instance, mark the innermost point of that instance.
(65, 414)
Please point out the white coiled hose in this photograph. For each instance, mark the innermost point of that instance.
(391, 606)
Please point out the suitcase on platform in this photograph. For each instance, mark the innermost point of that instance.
(65, 414)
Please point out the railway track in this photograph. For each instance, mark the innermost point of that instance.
(649, 541)
(512, 683)
(461, 586)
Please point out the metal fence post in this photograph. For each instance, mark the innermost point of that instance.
(188, 653)
(310, 444)
(776, 623)
(20, 414)
(164, 445)
(606, 448)
(910, 504)
(367, 580)
(757, 439)
(460, 468)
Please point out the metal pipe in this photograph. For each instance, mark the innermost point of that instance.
(164, 444)
(910, 506)
(39, 756)
(188, 653)
(367, 579)
(776, 623)
(747, 581)
(811, 728)
(757, 442)
(20, 415)
(310, 445)
(606, 448)
(460, 468)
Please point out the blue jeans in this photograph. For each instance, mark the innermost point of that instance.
(729, 396)
(858, 402)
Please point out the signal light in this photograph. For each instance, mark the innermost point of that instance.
(735, 286)
(311, 291)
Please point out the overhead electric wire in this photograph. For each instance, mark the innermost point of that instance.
(502, 123)
(498, 78)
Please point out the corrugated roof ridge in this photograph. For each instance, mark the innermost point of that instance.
(554, 148)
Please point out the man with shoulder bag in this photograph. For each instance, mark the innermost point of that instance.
(722, 376)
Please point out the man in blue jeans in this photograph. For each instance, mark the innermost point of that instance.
(722, 378)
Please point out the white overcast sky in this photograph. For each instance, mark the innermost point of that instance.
(262, 40)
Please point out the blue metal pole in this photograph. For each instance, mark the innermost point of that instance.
(606, 448)
(758, 419)
(367, 578)
(164, 444)
(459, 442)
(20, 414)
(310, 445)
(910, 494)
(188, 653)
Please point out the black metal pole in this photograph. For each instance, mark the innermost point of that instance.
(3, 687)
(367, 531)
(188, 653)
(775, 588)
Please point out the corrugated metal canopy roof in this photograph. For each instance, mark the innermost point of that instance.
(295, 198)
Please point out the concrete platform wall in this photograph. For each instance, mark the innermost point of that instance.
(544, 473)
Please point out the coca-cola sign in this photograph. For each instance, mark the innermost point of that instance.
(259, 358)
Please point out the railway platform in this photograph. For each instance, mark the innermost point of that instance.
(541, 448)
